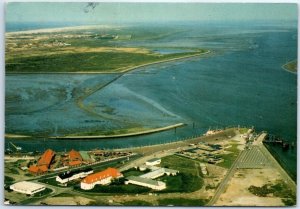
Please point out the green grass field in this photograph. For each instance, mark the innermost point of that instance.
(86, 62)
(182, 164)
(229, 158)
(182, 182)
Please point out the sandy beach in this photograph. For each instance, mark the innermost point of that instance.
(61, 29)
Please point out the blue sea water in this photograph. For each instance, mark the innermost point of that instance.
(241, 83)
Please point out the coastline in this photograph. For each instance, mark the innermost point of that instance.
(155, 130)
(150, 131)
(60, 29)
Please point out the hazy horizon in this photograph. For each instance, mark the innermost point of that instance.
(83, 12)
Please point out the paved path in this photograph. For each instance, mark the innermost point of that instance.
(223, 184)
(262, 157)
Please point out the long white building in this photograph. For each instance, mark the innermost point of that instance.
(27, 187)
(154, 161)
(159, 172)
(72, 175)
(157, 185)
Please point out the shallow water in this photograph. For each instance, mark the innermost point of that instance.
(242, 83)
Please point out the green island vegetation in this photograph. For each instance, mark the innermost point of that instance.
(291, 66)
(87, 62)
(278, 190)
(181, 202)
(88, 50)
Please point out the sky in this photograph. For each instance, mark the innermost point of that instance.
(146, 12)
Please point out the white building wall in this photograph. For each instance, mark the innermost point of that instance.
(156, 187)
(76, 176)
(87, 186)
(157, 162)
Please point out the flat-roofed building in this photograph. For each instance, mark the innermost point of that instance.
(145, 182)
(72, 175)
(159, 172)
(150, 167)
(154, 161)
(27, 187)
(103, 178)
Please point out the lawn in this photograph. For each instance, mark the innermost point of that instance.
(229, 158)
(182, 182)
(132, 172)
(118, 188)
(182, 164)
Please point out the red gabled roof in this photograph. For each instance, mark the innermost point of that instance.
(46, 158)
(74, 163)
(74, 155)
(33, 169)
(37, 169)
(109, 172)
(43, 168)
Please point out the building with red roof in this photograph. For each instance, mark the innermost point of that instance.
(46, 158)
(74, 156)
(37, 170)
(43, 163)
(103, 178)
(75, 163)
